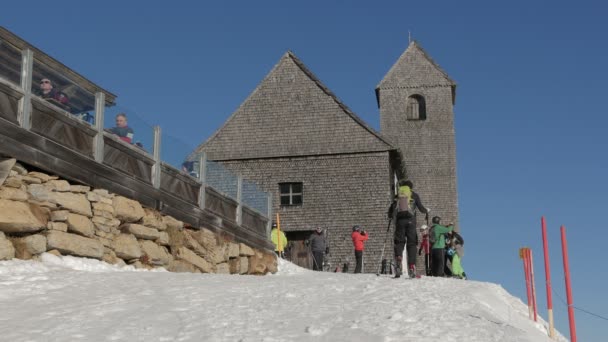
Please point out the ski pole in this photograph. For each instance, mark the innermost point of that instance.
(388, 228)
(314, 260)
(428, 256)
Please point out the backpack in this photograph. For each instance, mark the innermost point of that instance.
(405, 203)
(458, 238)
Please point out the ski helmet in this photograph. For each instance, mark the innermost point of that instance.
(408, 183)
(436, 220)
(356, 228)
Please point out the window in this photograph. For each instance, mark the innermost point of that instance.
(416, 108)
(291, 193)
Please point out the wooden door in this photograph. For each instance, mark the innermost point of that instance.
(299, 251)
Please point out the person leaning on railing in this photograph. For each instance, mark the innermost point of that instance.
(48, 93)
(122, 129)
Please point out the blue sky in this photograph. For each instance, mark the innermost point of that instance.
(530, 111)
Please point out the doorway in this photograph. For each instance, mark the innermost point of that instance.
(298, 251)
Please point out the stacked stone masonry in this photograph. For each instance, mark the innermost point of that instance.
(42, 213)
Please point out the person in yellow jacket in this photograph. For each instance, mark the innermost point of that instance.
(279, 240)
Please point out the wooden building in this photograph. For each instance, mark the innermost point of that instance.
(326, 167)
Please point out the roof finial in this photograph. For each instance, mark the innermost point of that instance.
(409, 37)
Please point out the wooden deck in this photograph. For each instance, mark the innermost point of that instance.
(56, 158)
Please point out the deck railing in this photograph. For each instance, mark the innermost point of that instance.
(83, 121)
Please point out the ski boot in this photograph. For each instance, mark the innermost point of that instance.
(412, 271)
(398, 267)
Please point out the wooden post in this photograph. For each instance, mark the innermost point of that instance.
(25, 103)
(524, 256)
(269, 214)
(239, 200)
(156, 166)
(532, 282)
(202, 177)
(279, 242)
(548, 278)
(100, 99)
(568, 286)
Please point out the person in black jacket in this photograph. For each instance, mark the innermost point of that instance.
(318, 247)
(405, 230)
(49, 93)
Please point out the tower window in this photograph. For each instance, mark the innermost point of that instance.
(291, 194)
(416, 108)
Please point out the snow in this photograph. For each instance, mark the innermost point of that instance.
(78, 299)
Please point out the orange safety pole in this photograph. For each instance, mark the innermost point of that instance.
(279, 246)
(524, 256)
(548, 278)
(532, 283)
(568, 286)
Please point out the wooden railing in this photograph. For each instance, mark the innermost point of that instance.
(42, 134)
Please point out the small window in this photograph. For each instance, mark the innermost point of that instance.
(416, 108)
(291, 193)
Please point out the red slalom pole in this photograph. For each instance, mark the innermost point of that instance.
(532, 285)
(524, 255)
(568, 286)
(548, 278)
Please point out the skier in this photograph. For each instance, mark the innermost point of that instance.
(359, 237)
(438, 251)
(454, 252)
(279, 240)
(426, 247)
(406, 203)
(318, 247)
(456, 269)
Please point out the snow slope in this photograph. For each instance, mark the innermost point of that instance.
(75, 299)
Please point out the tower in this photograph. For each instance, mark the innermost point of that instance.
(416, 100)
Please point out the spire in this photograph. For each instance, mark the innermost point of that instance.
(414, 69)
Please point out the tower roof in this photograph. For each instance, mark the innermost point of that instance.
(415, 69)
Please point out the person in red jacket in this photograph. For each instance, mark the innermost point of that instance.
(426, 247)
(359, 237)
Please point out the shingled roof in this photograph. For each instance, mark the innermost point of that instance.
(291, 113)
(416, 69)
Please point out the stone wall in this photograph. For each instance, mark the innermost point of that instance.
(42, 213)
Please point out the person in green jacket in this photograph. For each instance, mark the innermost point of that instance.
(438, 249)
(279, 239)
